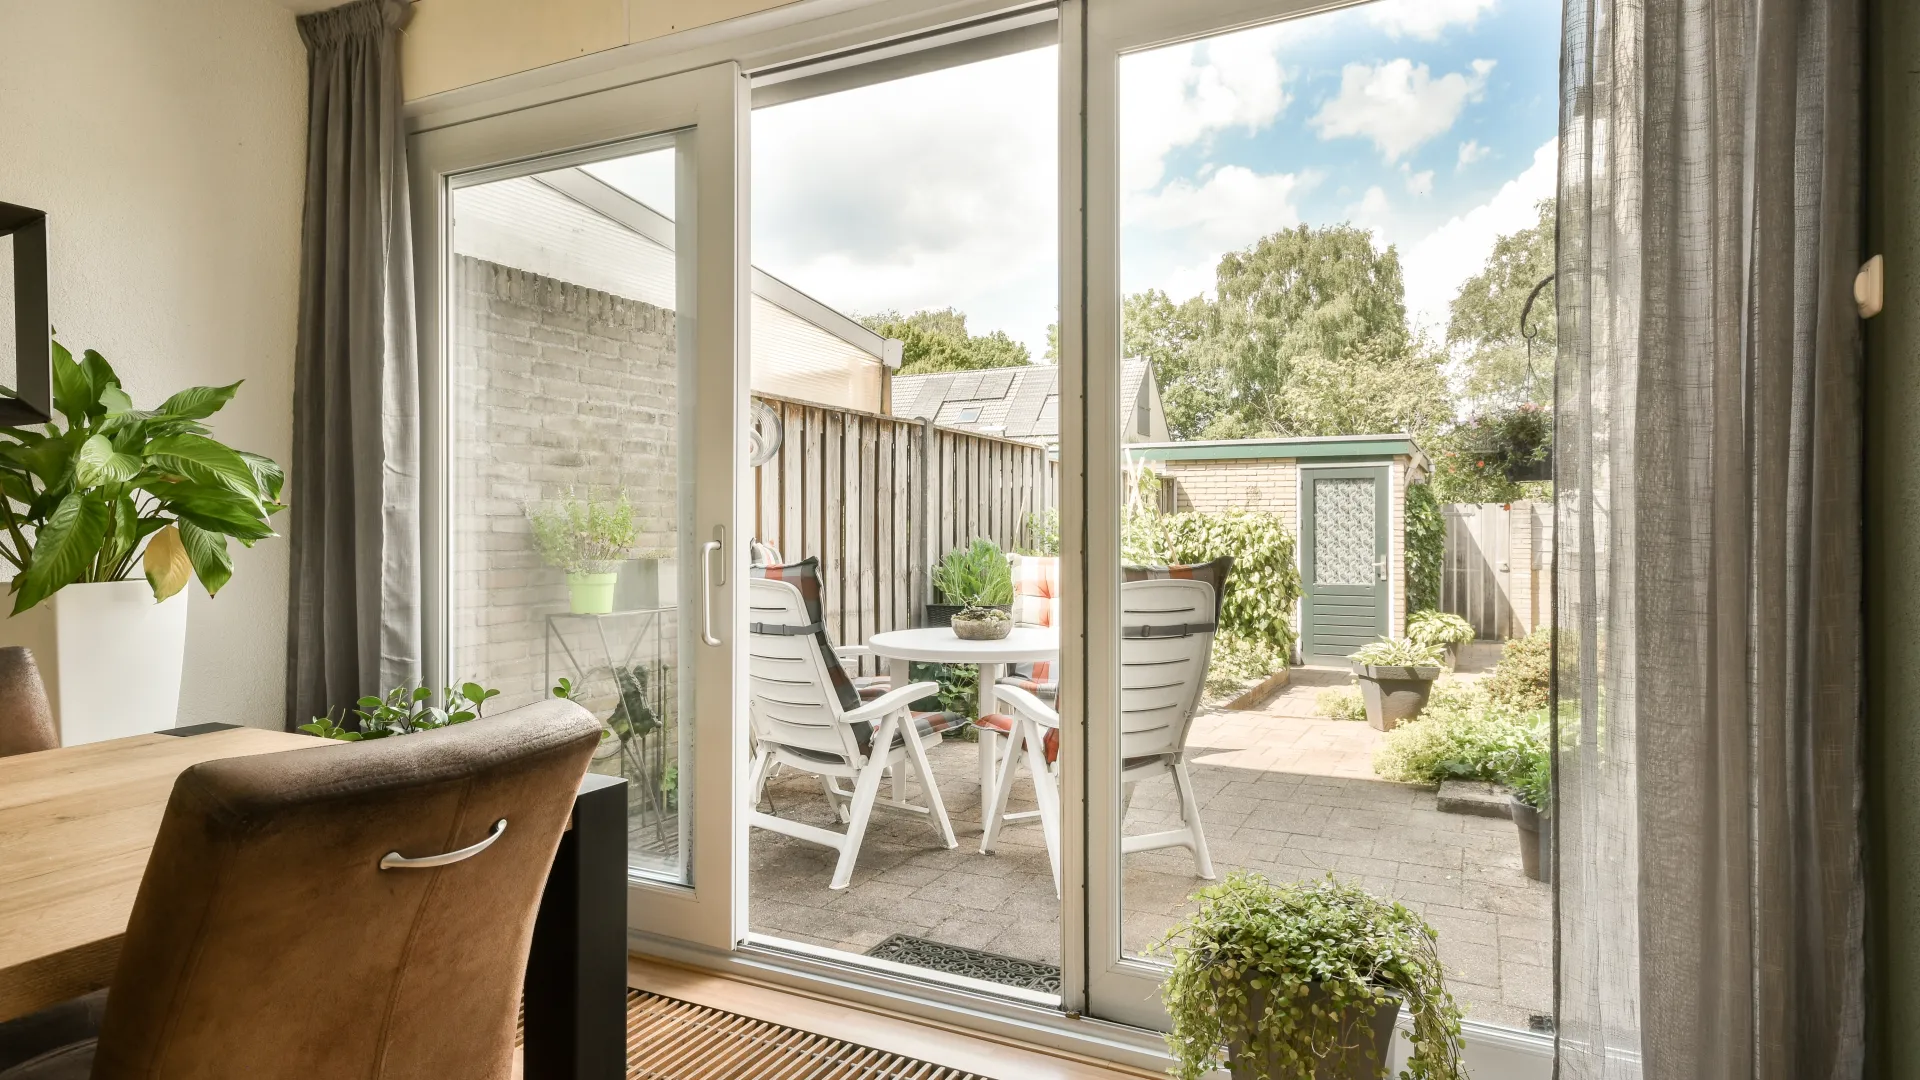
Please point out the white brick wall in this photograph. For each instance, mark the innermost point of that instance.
(554, 386)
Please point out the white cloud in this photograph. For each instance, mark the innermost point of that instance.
(1437, 264)
(933, 191)
(1398, 104)
(1425, 19)
(1418, 183)
(1174, 237)
(1184, 94)
(1471, 152)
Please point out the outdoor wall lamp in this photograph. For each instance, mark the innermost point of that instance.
(32, 400)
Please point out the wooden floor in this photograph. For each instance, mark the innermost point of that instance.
(753, 1031)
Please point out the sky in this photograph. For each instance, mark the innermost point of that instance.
(1432, 122)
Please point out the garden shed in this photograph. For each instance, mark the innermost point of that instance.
(1344, 499)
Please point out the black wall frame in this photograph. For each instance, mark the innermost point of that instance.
(32, 401)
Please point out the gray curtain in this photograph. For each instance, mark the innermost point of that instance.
(1710, 901)
(354, 619)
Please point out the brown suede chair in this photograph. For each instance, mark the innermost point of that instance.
(26, 720)
(268, 941)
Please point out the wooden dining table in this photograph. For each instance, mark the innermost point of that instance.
(77, 825)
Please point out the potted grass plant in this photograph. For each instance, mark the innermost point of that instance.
(1443, 630)
(587, 539)
(1531, 779)
(1396, 675)
(1302, 980)
(977, 576)
(96, 499)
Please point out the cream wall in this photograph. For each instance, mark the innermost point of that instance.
(455, 43)
(166, 141)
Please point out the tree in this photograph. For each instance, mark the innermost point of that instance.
(1483, 330)
(1173, 338)
(938, 341)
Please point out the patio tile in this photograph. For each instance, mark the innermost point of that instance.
(965, 890)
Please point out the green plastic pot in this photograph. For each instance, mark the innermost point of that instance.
(592, 594)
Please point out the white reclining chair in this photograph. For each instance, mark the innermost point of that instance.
(1167, 628)
(799, 720)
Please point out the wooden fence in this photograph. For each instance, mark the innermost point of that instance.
(1495, 571)
(880, 499)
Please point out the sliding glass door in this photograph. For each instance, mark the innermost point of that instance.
(586, 393)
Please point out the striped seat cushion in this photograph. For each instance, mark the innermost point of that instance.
(1004, 724)
(926, 723)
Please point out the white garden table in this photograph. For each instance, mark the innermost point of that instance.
(940, 645)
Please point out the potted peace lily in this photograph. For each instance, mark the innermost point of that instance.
(104, 492)
(1305, 979)
(1442, 630)
(1396, 675)
(588, 540)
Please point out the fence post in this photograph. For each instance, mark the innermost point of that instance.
(920, 544)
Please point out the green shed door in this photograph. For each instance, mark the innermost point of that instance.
(1343, 560)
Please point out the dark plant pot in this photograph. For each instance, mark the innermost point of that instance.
(1532, 471)
(1366, 1039)
(981, 629)
(1534, 838)
(1394, 694)
(942, 614)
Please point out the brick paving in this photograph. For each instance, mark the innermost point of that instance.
(1282, 790)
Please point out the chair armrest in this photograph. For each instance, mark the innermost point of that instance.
(1027, 705)
(897, 698)
(851, 652)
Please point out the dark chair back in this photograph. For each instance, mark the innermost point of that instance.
(26, 720)
(269, 941)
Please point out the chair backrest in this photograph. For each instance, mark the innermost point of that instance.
(1167, 628)
(267, 941)
(791, 698)
(26, 720)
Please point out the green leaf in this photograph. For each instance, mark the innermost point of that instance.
(166, 563)
(208, 552)
(95, 463)
(100, 379)
(266, 473)
(116, 401)
(62, 551)
(199, 458)
(215, 509)
(73, 395)
(198, 402)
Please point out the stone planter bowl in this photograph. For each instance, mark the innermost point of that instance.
(981, 629)
(1394, 694)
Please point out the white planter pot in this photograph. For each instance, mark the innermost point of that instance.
(110, 656)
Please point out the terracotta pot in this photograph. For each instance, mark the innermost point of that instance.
(1394, 694)
(1367, 1037)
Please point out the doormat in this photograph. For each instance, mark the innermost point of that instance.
(972, 963)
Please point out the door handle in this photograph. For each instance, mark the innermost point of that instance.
(1380, 568)
(707, 551)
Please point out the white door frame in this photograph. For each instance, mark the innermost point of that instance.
(708, 108)
(1111, 985)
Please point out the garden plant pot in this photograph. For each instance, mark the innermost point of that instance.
(1367, 1036)
(1394, 694)
(1534, 838)
(110, 656)
(981, 629)
(592, 594)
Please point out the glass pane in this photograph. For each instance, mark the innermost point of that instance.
(570, 508)
(1328, 229)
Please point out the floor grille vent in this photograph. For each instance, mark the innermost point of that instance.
(673, 1040)
(973, 963)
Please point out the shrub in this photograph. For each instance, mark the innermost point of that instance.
(1438, 628)
(1264, 584)
(1462, 734)
(1521, 677)
(1426, 547)
(1343, 703)
(1351, 949)
(1237, 661)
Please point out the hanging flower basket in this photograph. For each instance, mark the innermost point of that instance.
(1514, 443)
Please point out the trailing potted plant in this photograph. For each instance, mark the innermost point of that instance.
(588, 540)
(406, 710)
(976, 623)
(86, 499)
(977, 575)
(1443, 630)
(1305, 979)
(1396, 675)
(1515, 443)
(1531, 779)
